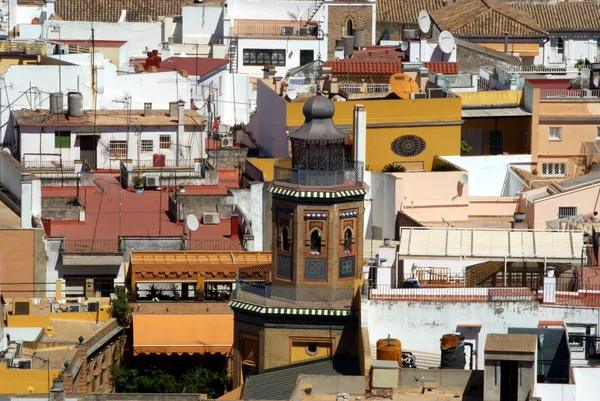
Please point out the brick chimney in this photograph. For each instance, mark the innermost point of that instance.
(234, 227)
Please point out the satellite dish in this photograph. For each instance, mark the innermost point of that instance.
(446, 42)
(292, 92)
(463, 179)
(597, 82)
(192, 222)
(403, 85)
(424, 21)
(404, 46)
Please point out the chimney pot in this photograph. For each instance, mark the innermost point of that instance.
(147, 109)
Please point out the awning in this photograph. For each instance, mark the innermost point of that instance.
(182, 333)
(491, 113)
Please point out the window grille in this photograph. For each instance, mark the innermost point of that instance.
(555, 134)
(554, 169)
(118, 149)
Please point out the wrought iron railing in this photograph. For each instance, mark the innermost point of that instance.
(355, 87)
(91, 246)
(168, 163)
(294, 297)
(349, 176)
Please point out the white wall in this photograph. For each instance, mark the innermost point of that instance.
(270, 9)
(420, 325)
(24, 14)
(292, 47)
(251, 203)
(488, 175)
(577, 46)
(555, 392)
(31, 139)
(269, 123)
(382, 214)
(588, 385)
(23, 333)
(202, 24)
(139, 34)
(424, 51)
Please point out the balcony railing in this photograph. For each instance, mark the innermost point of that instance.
(169, 163)
(569, 93)
(224, 244)
(48, 165)
(556, 59)
(350, 176)
(294, 297)
(261, 28)
(354, 87)
(97, 246)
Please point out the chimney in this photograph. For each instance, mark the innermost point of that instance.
(234, 226)
(505, 42)
(360, 134)
(147, 109)
(173, 109)
(549, 286)
(57, 392)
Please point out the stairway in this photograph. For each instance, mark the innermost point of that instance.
(310, 13)
(233, 56)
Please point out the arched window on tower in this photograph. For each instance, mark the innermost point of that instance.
(348, 241)
(285, 239)
(315, 242)
(349, 27)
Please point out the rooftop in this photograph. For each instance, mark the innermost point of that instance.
(574, 16)
(97, 43)
(104, 118)
(360, 66)
(196, 66)
(110, 10)
(486, 18)
(406, 11)
(255, 28)
(142, 214)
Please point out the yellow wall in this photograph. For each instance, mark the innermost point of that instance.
(527, 49)
(299, 353)
(491, 98)
(441, 140)
(44, 320)
(21, 381)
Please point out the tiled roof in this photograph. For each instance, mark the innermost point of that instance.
(486, 18)
(349, 66)
(442, 67)
(194, 66)
(110, 10)
(279, 383)
(406, 11)
(562, 17)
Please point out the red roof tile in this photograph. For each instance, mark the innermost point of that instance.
(442, 67)
(99, 43)
(194, 66)
(350, 66)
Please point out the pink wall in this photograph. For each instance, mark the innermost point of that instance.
(432, 196)
(547, 208)
(485, 206)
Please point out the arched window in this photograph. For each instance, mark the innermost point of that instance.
(349, 27)
(348, 241)
(285, 239)
(315, 241)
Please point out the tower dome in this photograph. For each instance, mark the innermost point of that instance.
(318, 124)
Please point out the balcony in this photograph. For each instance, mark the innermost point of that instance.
(293, 297)
(570, 94)
(348, 177)
(271, 28)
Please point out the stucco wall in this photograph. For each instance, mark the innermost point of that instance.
(585, 200)
(250, 201)
(269, 122)
(382, 189)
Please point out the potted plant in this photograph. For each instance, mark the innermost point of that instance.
(138, 184)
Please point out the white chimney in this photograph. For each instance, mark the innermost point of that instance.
(549, 287)
(360, 135)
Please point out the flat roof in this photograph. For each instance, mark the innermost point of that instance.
(493, 112)
(42, 118)
(142, 214)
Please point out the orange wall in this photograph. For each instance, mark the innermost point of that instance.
(17, 248)
(526, 49)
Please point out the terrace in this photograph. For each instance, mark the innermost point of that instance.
(271, 28)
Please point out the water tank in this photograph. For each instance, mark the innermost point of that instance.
(389, 349)
(409, 34)
(75, 104)
(339, 44)
(348, 45)
(359, 38)
(56, 103)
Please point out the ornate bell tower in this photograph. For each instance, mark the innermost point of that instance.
(307, 311)
(318, 200)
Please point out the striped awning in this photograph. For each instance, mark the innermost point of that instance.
(289, 311)
(316, 194)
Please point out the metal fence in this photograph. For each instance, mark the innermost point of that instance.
(357, 87)
(49, 165)
(91, 246)
(436, 278)
(224, 244)
(569, 93)
(294, 297)
(351, 175)
(452, 80)
(451, 294)
(168, 163)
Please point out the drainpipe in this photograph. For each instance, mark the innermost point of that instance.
(505, 42)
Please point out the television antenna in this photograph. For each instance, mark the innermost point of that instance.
(424, 21)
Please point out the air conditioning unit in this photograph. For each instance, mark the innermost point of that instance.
(152, 182)
(92, 306)
(418, 95)
(287, 30)
(74, 308)
(21, 307)
(211, 218)
(8, 358)
(22, 363)
(19, 344)
(227, 142)
(303, 31)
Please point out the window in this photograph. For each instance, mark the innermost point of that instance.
(598, 133)
(264, 57)
(62, 139)
(349, 27)
(560, 46)
(147, 145)
(554, 169)
(118, 149)
(566, 211)
(165, 141)
(307, 56)
(315, 242)
(347, 241)
(285, 239)
(555, 134)
(576, 341)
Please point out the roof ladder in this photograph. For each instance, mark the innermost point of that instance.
(310, 12)
(233, 55)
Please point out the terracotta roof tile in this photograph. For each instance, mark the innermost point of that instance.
(564, 17)
(350, 66)
(486, 18)
(405, 11)
(110, 10)
(440, 67)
